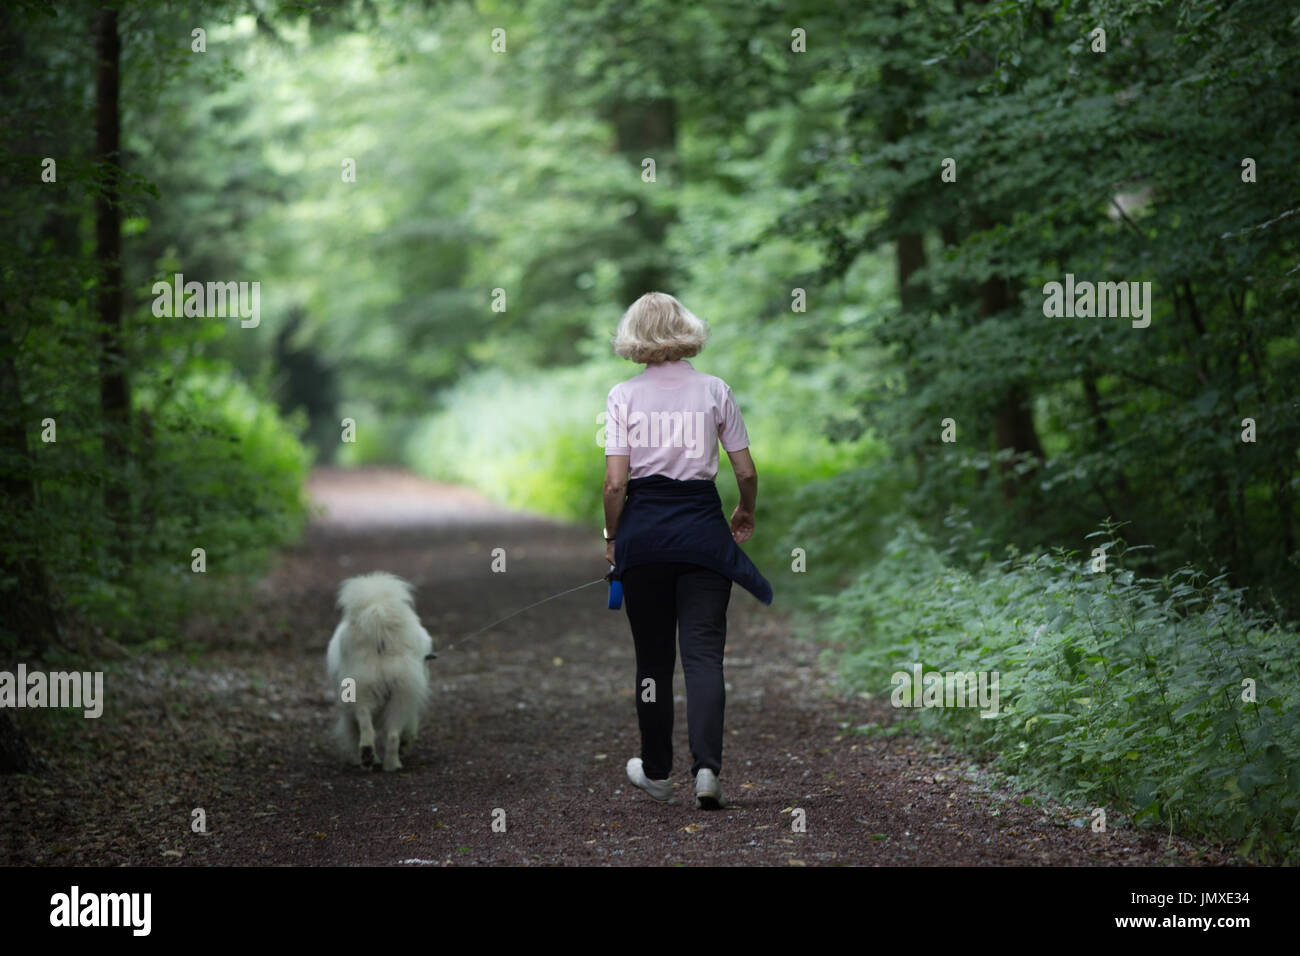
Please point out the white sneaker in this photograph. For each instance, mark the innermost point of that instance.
(661, 790)
(708, 791)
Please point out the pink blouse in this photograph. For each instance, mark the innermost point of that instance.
(669, 419)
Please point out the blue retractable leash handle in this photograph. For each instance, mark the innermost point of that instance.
(615, 590)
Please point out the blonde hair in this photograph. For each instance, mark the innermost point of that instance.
(658, 328)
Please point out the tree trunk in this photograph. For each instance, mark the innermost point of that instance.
(909, 246)
(1105, 437)
(15, 755)
(114, 395)
(28, 613)
(1014, 420)
(647, 128)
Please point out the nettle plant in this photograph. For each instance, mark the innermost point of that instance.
(1169, 698)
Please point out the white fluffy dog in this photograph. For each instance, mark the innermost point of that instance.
(376, 666)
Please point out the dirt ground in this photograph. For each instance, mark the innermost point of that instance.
(534, 718)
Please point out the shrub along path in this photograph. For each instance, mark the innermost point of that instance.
(534, 718)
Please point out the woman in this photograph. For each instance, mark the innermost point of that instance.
(667, 538)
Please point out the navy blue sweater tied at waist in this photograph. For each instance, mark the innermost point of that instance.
(665, 519)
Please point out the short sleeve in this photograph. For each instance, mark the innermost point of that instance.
(615, 423)
(731, 427)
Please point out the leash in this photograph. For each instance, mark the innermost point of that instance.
(608, 577)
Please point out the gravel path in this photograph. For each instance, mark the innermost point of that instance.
(531, 724)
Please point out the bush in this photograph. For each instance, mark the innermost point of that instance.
(211, 466)
(1114, 689)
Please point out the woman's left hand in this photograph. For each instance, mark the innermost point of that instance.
(609, 551)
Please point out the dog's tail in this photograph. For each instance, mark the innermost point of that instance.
(375, 604)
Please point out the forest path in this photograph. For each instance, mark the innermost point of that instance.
(534, 717)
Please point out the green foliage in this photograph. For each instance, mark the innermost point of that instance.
(783, 178)
(202, 458)
(528, 441)
(462, 187)
(1126, 166)
(1116, 690)
(215, 468)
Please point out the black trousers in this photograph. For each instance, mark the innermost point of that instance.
(689, 602)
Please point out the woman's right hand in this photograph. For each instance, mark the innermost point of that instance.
(742, 524)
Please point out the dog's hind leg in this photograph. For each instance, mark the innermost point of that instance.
(346, 732)
(410, 733)
(367, 736)
(392, 744)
